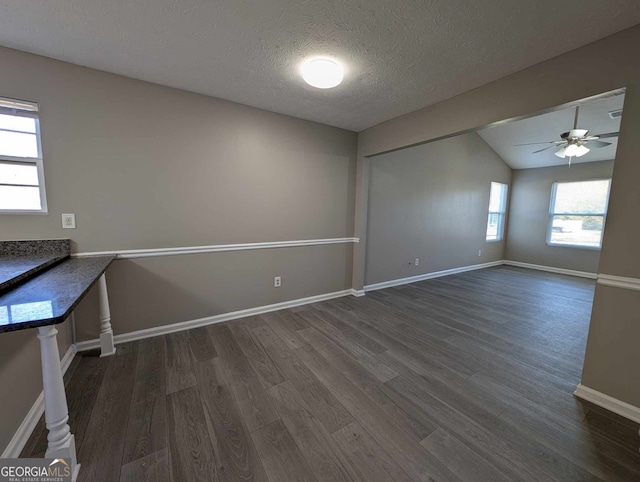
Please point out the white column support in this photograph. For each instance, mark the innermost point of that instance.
(62, 442)
(107, 346)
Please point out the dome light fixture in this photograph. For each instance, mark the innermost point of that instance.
(322, 73)
(572, 150)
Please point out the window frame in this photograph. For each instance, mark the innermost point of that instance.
(554, 190)
(33, 113)
(502, 215)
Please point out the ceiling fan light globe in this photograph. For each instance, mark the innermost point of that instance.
(571, 150)
(582, 150)
(560, 152)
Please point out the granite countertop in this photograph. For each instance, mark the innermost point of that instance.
(51, 296)
(20, 260)
(14, 269)
(35, 247)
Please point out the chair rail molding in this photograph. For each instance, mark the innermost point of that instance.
(619, 282)
(216, 248)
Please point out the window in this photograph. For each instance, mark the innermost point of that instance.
(577, 213)
(21, 173)
(497, 210)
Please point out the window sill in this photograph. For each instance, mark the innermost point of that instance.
(17, 211)
(494, 240)
(574, 246)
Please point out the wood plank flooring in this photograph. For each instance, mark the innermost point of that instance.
(463, 378)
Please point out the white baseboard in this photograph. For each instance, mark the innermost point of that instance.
(551, 269)
(209, 320)
(609, 403)
(426, 276)
(357, 293)
(29, 423)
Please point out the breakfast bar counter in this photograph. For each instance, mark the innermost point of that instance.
(42, 301)
(51, 296)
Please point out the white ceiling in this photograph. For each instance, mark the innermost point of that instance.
(548, 127)
(399, 55)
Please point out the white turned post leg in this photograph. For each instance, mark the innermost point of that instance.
(107, 346)
(61, 441)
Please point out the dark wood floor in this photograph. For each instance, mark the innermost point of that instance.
(468, 377)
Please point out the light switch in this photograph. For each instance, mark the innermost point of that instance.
(68, 221)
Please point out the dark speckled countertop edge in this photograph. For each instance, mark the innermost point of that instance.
(26, 275)
(56, 320)
(84, 293)
(35, 247)
(33, 324)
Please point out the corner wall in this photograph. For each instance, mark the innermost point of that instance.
(612, 357)
(529, 216)
(431, 202)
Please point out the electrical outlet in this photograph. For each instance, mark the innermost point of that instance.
(277, 281)
(479, 252)
(68, 221)
(417, 262)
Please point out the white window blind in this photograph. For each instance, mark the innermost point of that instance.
(577, 213)
(497, 211)
(21, 171)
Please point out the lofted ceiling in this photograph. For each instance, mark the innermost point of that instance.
(593, 115)
(399, 55)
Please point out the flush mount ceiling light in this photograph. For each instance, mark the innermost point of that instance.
(322, 73)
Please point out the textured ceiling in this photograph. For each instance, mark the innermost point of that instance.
(399, 55)
(593, 116)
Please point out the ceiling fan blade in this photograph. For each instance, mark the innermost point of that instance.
(597, 144)
(607, 135)
(534, 143)
(550, 147)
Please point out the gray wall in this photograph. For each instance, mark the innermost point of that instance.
(145, 166)
(612, 355)
(149, 292)
(529, 216)
(432, 202)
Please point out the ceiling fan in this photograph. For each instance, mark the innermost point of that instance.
(576, 142)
